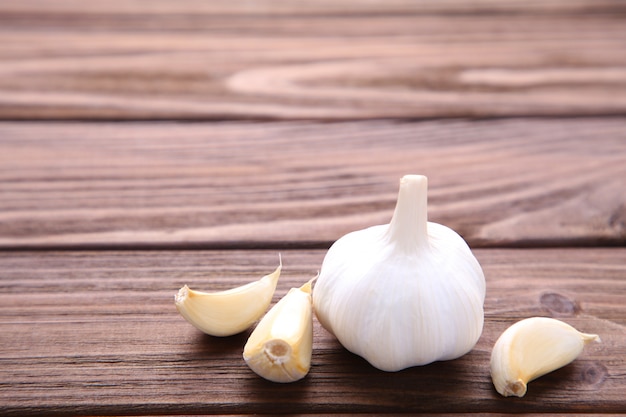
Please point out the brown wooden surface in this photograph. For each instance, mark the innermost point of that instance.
(292, 60)
(153, 143)
(97, 332)
(503, 182)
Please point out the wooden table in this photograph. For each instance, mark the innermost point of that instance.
(150, 144)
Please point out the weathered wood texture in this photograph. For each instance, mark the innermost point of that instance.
(97, 333)
(498, 182)
(321, 60)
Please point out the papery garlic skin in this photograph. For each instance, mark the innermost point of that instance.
(280, 347)
(531, 348)
(403, 294)
(225, 313)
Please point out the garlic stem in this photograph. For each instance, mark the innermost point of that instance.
(409, 225)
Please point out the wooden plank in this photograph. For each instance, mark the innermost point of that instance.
(95, 333)
(516, 182)
(329, 60)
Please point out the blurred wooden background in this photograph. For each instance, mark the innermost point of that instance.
(323, 60)
(149, 144)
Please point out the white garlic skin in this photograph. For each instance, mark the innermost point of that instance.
(402, 302)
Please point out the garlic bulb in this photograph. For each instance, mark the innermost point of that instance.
(402, 294)
(280, 347)
(225, 313)
(531, 348)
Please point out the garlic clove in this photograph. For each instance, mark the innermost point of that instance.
(531, 348)
(225, 313)
(280, 347)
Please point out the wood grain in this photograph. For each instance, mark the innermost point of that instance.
(96, 333)
(352, 59)
(516, 182)
(130, 131)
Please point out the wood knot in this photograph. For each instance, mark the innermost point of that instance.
(558, 304)
(593, 373)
